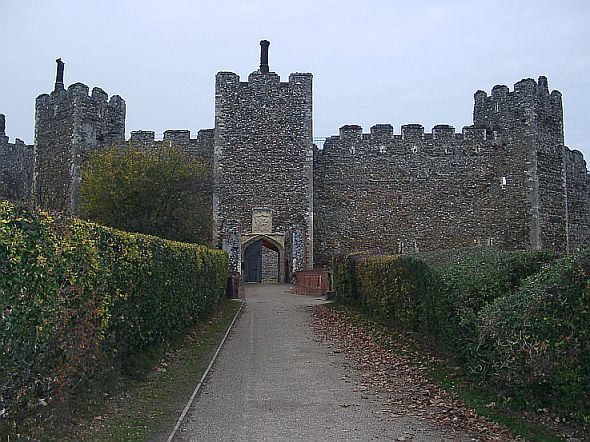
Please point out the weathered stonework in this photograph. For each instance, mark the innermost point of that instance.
(16, 167)
(270, 264)
(231, 243)
(529, 125)
(200, 147)
(500, 182)
(69, 123)
(280, 204)
(296, 250)
(263, 154)
(578, 200)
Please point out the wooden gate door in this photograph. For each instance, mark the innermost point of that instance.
(253, 263)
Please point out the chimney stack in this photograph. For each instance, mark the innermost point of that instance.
(59, 78)
(264, 44)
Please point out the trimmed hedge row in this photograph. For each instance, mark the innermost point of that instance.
(76, 296)
(517, 321)
(535, 343)
(470, 280)
(400, 291)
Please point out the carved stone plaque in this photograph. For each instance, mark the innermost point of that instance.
(261, 220)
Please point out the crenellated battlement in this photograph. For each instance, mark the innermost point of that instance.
(16, 166)
(505, 180)
(351, 132)
(525, 87)
(200, 147)
(529, 104)
(412, 139)
(412, 132)
(69, 123)
(176, 136)
(443, 132)
(257, 80)
(106, 117)
(5, 140)
(382, 132)
(142, 136)
(227, 78)
(81, 90)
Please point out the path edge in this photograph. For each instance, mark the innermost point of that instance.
(202, 380)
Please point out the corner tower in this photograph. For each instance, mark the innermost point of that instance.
(69, 123)
(263, 171)
(527, 125)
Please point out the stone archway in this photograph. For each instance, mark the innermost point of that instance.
(263, 260)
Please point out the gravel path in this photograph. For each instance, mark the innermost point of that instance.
(275, 380)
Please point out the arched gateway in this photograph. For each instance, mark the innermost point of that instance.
(263, 259)
(263, 255)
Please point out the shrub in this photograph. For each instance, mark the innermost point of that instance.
(518, 321)
(164, 192)
(75, 295)
(473, 279)
(400, 291)
(536, 342)
(344, 276)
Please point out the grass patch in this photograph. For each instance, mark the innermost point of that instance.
(445, 372)
(137, 402)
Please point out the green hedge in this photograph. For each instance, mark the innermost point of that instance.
(344, 276)
(472, 279)
(536, 342)
(439, 294)
(517, 321)
(76, 296)
(400, 291)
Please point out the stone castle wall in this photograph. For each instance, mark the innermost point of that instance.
(270, 264)
(500, 182)
(508, 180)
(528, 123)
(16, 167)
(578, 200)
(68, 125)
(200, 147)
(263, 154)
(405, 193)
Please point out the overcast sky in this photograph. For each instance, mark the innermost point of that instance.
(374, 61)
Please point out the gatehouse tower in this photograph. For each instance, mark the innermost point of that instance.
(263, 171)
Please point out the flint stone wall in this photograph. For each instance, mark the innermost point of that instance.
(200, 147)
(578, 200)
(16, 167)
(270, 265)
(507, 181)
(263, 153)
(68, 125)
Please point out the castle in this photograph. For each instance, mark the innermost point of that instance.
(281, 205)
